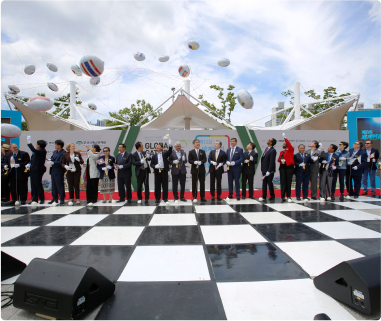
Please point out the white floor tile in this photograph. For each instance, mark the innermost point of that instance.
(30, 205)
(278, 300)
(172, 203)
(343, 230)
(99, 203)
(231, 234)
(366, 198)
(2, 208)
(78, 220)
(171, 263)
(310, 201)
(266, 217)
(289, 207)
(205, 209)
(358, 205)
(10, 232)
(173, 219)
(110, 235)
(58, 210)
(316, 257)
(245, 201)
(136, 210)
(352, 215)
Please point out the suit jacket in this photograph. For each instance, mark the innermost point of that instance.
(359, 161)
(136, 162)
(298, 160)
(37, 161)
(165, 155)
(288, 154)
(249, 168)
(341, 154)
(237, 158)
(22, 158)
(181, 165)
(268, 161)
(372, 165)
(314, 166)
(66, 161)
(192, 157)
(124, 159)
(57, 168)
(111, 162)
(332, 162)
(222, 158)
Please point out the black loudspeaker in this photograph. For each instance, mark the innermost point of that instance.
(10, 266)
(355, 283)
(60, 290)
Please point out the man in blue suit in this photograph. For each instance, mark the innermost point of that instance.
(355, 168)
(302, 172)
(234, 160)
(372, 157)
(57, 173)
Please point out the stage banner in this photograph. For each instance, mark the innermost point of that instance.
(369, 128)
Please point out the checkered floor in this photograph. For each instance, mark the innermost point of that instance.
(218, 260)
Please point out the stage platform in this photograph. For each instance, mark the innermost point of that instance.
(215, 260)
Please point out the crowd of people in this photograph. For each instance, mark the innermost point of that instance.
(352, 167)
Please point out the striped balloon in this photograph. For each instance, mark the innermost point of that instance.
(92, 66)
(139, 56)
(14, 89)
(52, 86)
(184, 71)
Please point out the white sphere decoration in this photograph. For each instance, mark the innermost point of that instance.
(193, 44)
(34, 203)
(52, 86)
(17, 203)
(14, 89)
(245, 99)
(52, 67)
(164, 58)
(139, 56)
(92, 66)
(30, 69)
(184, 71)
(76, 70)
(95, 80)
(54, 204)
(223, 62)
(70, 203)
(10, 131)
(39, 103)
(92, 106)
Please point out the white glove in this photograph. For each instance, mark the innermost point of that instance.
(213, 163)
(176, 161)
(324, 162)
(142, 161)
(232, 163)
(333, 167)
(267, 173)
(109, 167)
(169, 142)
(246, 161)
(29, 139)
(6, 167)
(27, 165)
(228, 163)
(251, 158)
(284, 135)
(378, 164)
(104, 168)
(183, 158)
(67, 167)
(374, 160)
(282, 160)
(199, 163)
(220, 165)
(342, 158)
(355, 168)
(50, 163)
(157, 166)
(77, 159)
(120, 166)
(17, 165)
(302, 164)
(315, 158)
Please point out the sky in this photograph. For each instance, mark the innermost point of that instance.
(271, 45)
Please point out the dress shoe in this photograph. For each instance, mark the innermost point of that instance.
(355, 197)
(165, 201)
(8, 203)
(283, 200)
(212, 198)
(23, 202)
(252, 198)
(298, 199)
(219, 199)
(203, 200)
(373, 194)
(129, 201)
(157, 202)
(120, 201)
(364, 193)
(62, 203)
(332, 198)
(238, 199)
(243, 197)
(146, 202)
(183, 200)
(51, 202)
(342, 197)
(41, 202)
(272, 199)
(314, 198)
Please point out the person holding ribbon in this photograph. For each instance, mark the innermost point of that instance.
(286, 169)
(372, 156)
(123, 165)
(217, 159)
(248, 169)
(72, 161)
(317, 154)
(234, 160)
(105, 164)
(197, 158)
(302, 172)
(142, 171)
(92, 174)
(355, 168)
(268, 169)
(177, 160)
(57, 173)
(340, 169)
(327, 172)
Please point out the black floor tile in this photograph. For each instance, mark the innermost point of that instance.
(97, 210)
(173, 235)
(135, 203)
(326, 206)
(173, 209)
(252, 262)
(108, 260)
(363, 246)
(221, 219)
(22, 210)
(252, 208)
(310, 216)
(49, 235)
(163, 301)
(374, 225)
(125, 220)
(33, 220)
(289, 232)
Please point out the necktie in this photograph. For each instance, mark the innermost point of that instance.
(120, 157)
(329, 157)
(161, 160)
(216, 155)
(266, 150)
(197, 153)
(231, 154)
(302, 156)
(12, 160)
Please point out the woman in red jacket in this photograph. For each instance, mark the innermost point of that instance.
(286, 169)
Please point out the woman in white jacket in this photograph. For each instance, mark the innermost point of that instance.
(92, 174)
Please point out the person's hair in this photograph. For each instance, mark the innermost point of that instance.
(177, 143)
(161, 144)
(334, 147)
(108, 148)
(195, 140)
(233, 139)
(97, 148)
(68, 146)
(345, 144)
(317, 144)
(41, 143)
(138, 144)
(123, 145)
(219, 142)
(273, 141)
(59, 142)
(368, 140)
(360, 143)
(253, 145)
(302, 145)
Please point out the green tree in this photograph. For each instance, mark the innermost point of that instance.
(133, 115)
(65, 99)
(227, 103)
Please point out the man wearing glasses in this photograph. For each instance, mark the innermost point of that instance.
(372, 156)
(340, 168)
(355, 168)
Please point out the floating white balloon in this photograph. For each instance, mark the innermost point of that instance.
(95, 80)
(139, 56)
(164, 58)
(52, 67)
(92, 66)
(52, 86)
(76, 70)
(245, 99)
(14, 89)
(193, 44)
(223, 62)
(39, 103)
(30, 69)
(184, 71)
(10, 131)
(92, 106)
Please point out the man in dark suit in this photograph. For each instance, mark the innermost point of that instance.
(197, 157)
(371, 159)
(356, 164)
(124, 162)
(161, 168)
(268, 169)
(217, 160)
(142, 171)
(178, 159)
(302, 172)
(235, 158)
(5, 192)
(15, 163)
(37, 169)
(327, 172)
(317, 155)
(57, 173)
(248, 169)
